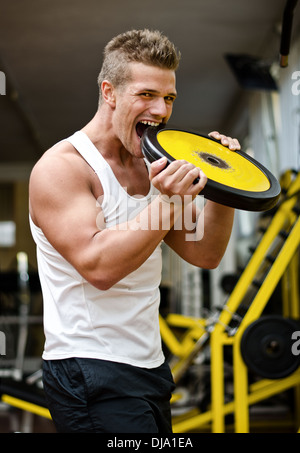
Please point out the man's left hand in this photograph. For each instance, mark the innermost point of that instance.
(232, 143)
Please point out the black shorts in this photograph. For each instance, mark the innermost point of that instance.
(99, 396)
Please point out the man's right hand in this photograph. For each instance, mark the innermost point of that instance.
(177, 178)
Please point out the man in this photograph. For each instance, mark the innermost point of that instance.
(100, 271)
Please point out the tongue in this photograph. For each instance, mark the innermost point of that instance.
(140, 129)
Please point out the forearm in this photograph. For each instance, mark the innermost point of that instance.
(205, 245)
(218, 222)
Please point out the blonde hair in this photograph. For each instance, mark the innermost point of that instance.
(142, 46)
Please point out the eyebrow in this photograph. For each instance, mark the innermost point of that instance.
(157, 92)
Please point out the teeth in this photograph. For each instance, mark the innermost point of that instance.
(150, 123)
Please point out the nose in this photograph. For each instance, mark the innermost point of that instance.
(159, 107)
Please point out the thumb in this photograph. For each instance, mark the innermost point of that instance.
(157, 166)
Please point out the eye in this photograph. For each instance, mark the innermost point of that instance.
(146, 95)
(170, 99)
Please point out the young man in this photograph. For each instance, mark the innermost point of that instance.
(100, 270)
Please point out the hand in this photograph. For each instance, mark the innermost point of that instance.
(232, 143)
(178, 178)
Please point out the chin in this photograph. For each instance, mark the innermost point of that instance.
(136, 148)
(138, 154)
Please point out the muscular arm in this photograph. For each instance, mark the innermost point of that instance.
(63, 205)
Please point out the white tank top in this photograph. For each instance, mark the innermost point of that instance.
(120, 324)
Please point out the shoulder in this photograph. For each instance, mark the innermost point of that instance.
(58, 176)
(60, 165)
(55, 159)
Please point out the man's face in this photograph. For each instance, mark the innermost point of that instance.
(147, 99)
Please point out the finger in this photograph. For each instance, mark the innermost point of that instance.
(236, 143)
(196, 187)
(165, 178)
(177, 170)
(190, 176)
(226, 141)
(156, 167)
(232, 143)
(184, 173)
(181, 169)
(202, 181)
(215, 134)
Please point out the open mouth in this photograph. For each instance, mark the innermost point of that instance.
(143, 125)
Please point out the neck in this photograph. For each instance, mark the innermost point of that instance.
(100, 132)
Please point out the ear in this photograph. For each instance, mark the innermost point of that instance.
(108, 93)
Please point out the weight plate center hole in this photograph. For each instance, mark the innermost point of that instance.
(215, 161)
(272, 347)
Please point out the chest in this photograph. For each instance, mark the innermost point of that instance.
(134, 180)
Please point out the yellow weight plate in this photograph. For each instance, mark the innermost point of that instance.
(233, 178)
(217, 162)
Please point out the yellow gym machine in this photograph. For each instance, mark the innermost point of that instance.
(259, 343)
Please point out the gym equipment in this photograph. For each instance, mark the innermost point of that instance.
(266, 347)
(19, 287)
(274, 260)
(25, 396)
(234, 178)
(287, 25)
(16, 389)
